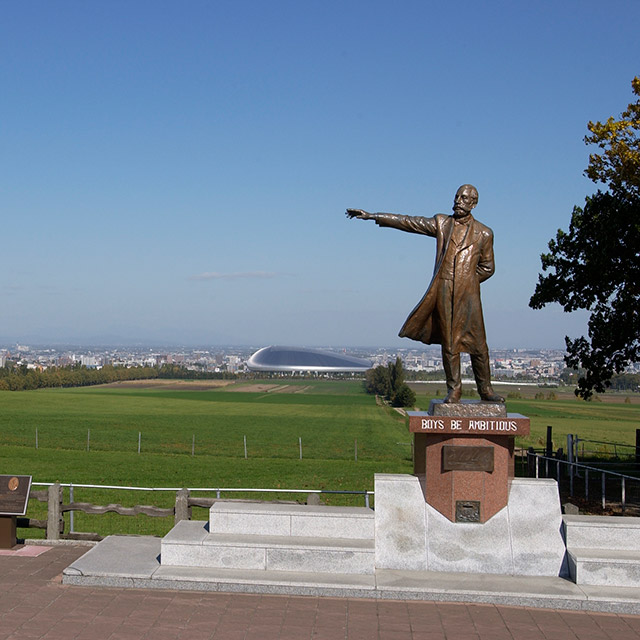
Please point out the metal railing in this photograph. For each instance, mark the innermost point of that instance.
(217, 490)
(578, 475)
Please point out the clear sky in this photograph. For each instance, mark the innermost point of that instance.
(178, 172)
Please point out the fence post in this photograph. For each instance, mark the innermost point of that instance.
(71, 513)
(586, 485)
(638, 445)
(182, 511)
(54, 513)
(549, 449)
(623, 494)
(570, 461)
(603, 490)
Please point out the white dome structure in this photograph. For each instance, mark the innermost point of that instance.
(301, 359)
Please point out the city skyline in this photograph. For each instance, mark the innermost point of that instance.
(179, 174)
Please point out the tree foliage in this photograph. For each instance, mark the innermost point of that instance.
(617, 165)
(21, 378)
(389, 382)
(596, 264)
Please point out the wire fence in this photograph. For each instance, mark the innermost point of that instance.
(140, 442)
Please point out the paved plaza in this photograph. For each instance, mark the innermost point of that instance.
(35, 604)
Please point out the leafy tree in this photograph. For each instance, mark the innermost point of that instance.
(618, 165)
(389, 382)
(596, 264)
(376, 381)
(403, 397)
(396, 375)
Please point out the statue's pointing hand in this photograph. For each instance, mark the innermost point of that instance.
(359, 213)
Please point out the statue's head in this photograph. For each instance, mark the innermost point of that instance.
(466, 199)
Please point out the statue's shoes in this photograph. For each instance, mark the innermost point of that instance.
(491, 396)
(453, 397)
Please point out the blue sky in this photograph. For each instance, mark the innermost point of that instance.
(178, 172)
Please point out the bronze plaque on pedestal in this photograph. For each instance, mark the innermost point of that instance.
(14, 495)
(456, 458)
(467, 511)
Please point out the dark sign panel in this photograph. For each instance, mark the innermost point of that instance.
(513, 424)
(14, 495)
(456, 458)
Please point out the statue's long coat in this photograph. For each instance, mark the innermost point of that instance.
(457, 326)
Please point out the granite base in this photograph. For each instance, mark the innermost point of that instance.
(524, 538)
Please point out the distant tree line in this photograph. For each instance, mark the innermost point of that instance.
(389, 383)
(21, 378)
(618, 382)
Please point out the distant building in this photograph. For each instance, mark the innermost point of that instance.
(300, 359)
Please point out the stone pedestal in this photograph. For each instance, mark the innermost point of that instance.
(464, 453)
(524, 538)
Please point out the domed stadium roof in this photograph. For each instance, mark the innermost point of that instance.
(299, 359)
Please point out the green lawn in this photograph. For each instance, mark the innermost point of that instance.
(329, 416)
(610, 420)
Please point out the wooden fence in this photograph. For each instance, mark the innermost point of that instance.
(54, 525)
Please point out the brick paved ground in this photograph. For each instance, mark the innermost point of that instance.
(34, 604)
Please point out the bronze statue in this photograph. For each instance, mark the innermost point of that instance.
(450, 312)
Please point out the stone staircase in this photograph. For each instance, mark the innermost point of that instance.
(603, 550)
(275, 537)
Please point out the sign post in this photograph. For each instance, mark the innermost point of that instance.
(14, 497)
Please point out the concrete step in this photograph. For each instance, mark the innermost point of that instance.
(604, 567)
(602, 532)
(292, 520)
(190, 544)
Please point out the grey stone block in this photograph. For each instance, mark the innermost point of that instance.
(535, 520)
(400, 524)
(109, 562)
(524, 538)
(232, 555)
(547, 592)
(336, 522)
(468, 547)
(291, 520)
(602, 532)
(319, 560)
(258, 519)
(468, 409)
(224, 577)
(187, 532)
(123, 556)
(611, 568)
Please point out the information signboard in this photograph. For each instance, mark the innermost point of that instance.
(14, 495)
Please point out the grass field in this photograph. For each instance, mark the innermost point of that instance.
(610, 419)
(328, 416)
